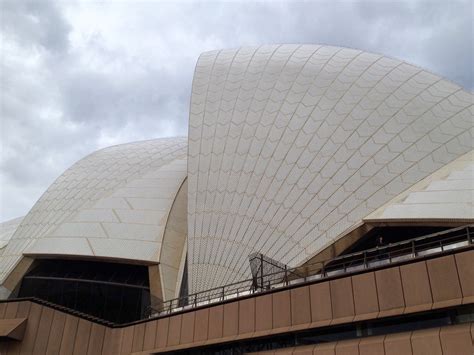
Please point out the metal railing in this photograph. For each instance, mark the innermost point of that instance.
(61, 308)
(437, 243)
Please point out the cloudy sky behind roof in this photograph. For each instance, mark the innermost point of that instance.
(79, 76)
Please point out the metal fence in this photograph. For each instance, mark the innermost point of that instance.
(267, 271)
(437, 243)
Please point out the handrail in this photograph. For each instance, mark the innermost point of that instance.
(346, 264)
(64, 309)
(426, 246)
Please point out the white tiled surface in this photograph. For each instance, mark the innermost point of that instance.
(446, 194)
(113, 203)
(290, 146)
(6, 231)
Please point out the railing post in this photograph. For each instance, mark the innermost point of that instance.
(365, 260)
(413, 252)
(286, 276)
(469, 241)
(261, 271)
(223, 292)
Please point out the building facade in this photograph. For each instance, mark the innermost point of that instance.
(322, 203)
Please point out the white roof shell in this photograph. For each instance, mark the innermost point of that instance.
(113, 203)
(7, 229)
(291, 146)
(446, 195)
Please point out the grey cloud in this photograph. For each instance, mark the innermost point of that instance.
(107, 101)
(78, 76)
(36, 23)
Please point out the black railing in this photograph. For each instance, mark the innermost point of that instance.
(266, 271)
(64, 309)
(432, 244)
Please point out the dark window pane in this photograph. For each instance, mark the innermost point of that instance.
(110, 291)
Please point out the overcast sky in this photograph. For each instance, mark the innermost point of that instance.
(78, 76)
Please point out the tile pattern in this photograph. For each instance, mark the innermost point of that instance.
(6, 231)
(447, 194)
(291, 146)
(112, 203)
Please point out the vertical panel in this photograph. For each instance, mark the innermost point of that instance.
(69, 334)
(325, 349)
(372, 346)
(321, 309)
(263, 313)
(389, 291)
(3, 309)
(300, 306)
(56, 334)
(342, 300)
(96, 340)
(174, 331)
(231, 319)
(281, 309)
(112, 341)
(4, 347)
(445, 286)
(465, 266)
(472, 332)
(187, 328)
(23, 309)
(44, 328)
(11, 309)
(456, 339)
(347, 347)
(138, 336)
(127, 340)
(426, 342)
(304, 350)
(216, 322)
(31, 328)
(247, 316)
(416, 287)
(150, 333)
(22, 312)
(396, 344)
(162, 333)
(201, 325)
(366, 303)
(82, 337)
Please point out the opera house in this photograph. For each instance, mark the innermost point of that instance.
(322, 203)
